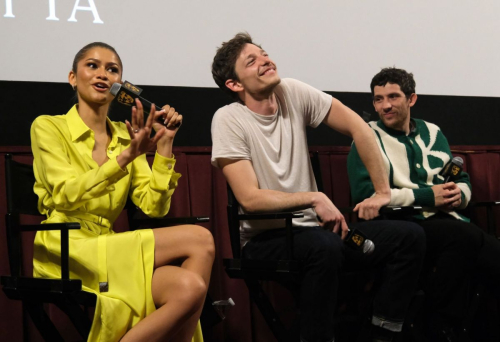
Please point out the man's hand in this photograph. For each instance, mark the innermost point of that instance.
(329, 216)
(447, 196)
(369, 208)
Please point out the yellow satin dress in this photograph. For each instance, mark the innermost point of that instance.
(118, 268)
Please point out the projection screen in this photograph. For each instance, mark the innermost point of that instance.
(453, 46)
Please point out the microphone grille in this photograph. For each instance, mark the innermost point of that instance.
(458, 161)
(368, 247)
(115, 88)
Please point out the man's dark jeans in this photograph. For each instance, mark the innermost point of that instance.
(456, 252)
(399, 252)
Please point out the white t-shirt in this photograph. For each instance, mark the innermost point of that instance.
(275, 144)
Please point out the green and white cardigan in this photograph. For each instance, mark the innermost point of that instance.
(412, 162)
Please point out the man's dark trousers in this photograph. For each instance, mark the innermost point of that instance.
(399, 253)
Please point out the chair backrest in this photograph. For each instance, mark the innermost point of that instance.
(21, 200)
(19, 181)
(316, 166)
(233, 223)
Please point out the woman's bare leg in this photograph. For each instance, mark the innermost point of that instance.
(178, 294)
(196, 256)
(176, 290)
(190, 246)
(187, 330)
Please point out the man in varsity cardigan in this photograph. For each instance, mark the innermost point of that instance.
(414, 152)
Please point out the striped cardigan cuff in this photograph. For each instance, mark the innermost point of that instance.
(424, 197)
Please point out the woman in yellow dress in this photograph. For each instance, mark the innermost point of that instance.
(150, 284)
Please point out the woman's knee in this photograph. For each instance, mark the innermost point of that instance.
(187, 289)
(208, 243)
(204, 241)
(185, 241)
(193, 290)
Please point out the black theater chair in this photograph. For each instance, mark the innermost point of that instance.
(478, 292)
(474, 209)
(65, 293)
(253, 272)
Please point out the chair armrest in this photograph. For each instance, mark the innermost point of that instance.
(400, 210)
(64, 228)
(40, 284)
(483, 203)
(271, 216)
(287, 216)
(138, 223)
(138, 220)
(488, 205)
(49, 226)
(388, 209)
(394, 211)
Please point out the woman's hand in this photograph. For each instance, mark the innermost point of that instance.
(171, 123)
(140, 131)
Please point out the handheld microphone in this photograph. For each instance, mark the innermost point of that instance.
(452, 169)
(357, 240)
(126, 93)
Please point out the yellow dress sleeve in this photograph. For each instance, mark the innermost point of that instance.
(152, 188)
(59, 185)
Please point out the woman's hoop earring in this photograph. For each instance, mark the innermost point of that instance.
(74, 86)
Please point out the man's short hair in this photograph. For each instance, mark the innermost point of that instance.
(223, 66)
(397, 76)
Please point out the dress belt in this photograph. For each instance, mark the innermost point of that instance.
(102, 221)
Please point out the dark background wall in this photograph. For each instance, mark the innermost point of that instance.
(464, 120)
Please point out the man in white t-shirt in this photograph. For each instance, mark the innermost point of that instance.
(260, 144)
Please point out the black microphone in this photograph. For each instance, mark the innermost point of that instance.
(126, 93)
(357, 240)
(451, 170)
